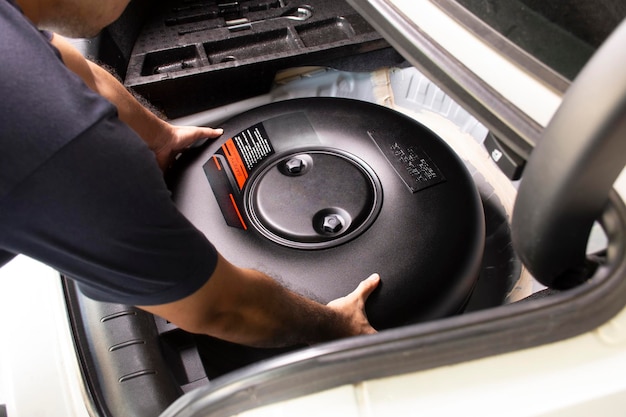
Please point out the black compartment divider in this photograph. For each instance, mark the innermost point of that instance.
(250, 46)
(172, 60)
(192, 55)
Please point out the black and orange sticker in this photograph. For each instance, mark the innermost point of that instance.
(235, 162)
(238, 212)
(217, 163)
(245, 151)
(232, 165)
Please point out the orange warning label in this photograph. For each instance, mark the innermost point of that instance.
(236, 162)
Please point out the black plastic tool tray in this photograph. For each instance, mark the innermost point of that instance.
(194, 54)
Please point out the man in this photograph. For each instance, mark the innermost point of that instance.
(81, 190)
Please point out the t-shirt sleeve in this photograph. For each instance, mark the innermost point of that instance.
(99, 211)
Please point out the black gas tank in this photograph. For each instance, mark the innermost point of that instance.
(320, 193)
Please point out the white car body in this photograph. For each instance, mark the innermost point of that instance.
(577, 376)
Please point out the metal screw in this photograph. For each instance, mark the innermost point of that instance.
(294, 165)
(332, 223)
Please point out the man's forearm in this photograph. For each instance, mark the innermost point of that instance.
(130, 111)
(248, 307)
(269, 315)
(145, 123)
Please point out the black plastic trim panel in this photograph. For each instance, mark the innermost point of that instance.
(410, 349)
(123, 366)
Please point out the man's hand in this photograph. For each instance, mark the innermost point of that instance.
(176, 139)
(352, 307)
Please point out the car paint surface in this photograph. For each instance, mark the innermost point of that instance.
(581, 376)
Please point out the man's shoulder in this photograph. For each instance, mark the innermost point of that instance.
(44, 106)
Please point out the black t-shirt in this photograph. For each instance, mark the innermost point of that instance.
(79, 190)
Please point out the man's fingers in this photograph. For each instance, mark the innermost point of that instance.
(214, 133)
(367, 286)
(202, 135)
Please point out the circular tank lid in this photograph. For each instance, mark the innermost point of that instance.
(314, 199)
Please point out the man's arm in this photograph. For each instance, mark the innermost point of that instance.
(163, 138)
(248, 307)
